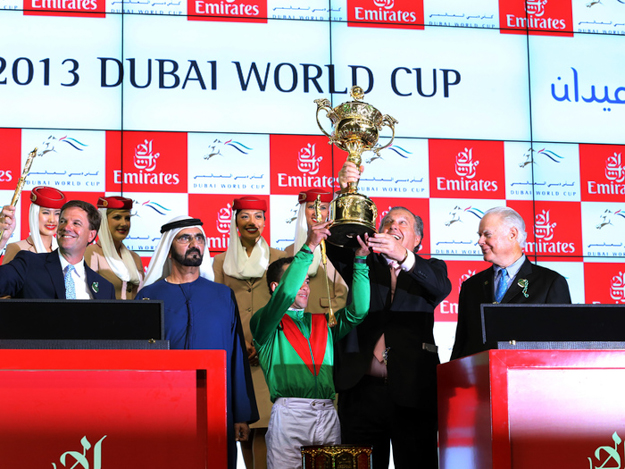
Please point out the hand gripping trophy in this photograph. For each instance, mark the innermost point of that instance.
(356, 130)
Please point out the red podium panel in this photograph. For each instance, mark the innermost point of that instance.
(98, 409)
(533, 409)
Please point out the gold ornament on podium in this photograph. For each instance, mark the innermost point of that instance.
(356, 129)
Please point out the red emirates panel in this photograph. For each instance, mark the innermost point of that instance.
(467, 169)
(150, 162)
(236, 11)
(302, 162)
(604, 283)
(84, 8)
(536, 17)
(602, 169)
(400, 14)
(553, 229)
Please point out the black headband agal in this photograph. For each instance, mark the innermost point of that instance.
(181, 224)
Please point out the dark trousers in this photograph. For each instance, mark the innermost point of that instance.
(370, 417)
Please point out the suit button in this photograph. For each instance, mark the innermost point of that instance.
(249, 290)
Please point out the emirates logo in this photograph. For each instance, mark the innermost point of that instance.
(465, 166)
(144, 157)
(614, 170)
(617, 288)
(224, 217)
(535, 7)
(543, 228)
(308, 161)
(388, 4)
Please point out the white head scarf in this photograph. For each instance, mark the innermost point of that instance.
(237, 263)
(160, 265)
(33, 220)
(301, 234)
(124, 267)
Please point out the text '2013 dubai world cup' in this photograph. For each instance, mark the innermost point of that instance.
(356, 127)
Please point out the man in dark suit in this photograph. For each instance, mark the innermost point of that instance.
(386, 367)
(61, 273)
(511, 278)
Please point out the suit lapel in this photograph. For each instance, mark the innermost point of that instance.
(92, 282)
(487, 285)
(53, 266)
(515, 289)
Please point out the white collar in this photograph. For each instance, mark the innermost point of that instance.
(79, 266)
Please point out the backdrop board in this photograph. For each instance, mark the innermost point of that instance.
(185, 105)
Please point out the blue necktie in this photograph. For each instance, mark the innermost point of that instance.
(502, 285)
(70, 288)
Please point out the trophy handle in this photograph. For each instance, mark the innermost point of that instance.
(324, 259)
(389, 121)
(325, 105)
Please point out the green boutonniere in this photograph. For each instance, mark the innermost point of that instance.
(524, 283)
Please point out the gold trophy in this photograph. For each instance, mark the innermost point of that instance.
(356, 130)
(21, 181)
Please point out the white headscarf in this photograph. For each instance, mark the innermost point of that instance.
(237, 263)
(123, 267)
(301, 234)
(160, 265)
(33, 220)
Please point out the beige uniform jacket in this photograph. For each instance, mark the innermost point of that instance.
(94, 257)
(13, 248)
(251, 294)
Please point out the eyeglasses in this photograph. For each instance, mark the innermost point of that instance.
(186, 238)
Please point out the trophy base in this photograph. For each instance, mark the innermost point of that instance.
(353, 215)
(344, 235)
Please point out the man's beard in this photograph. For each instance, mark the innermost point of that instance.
(187, 260)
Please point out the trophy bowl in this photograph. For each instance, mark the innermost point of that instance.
(357, 127)
(353, 215)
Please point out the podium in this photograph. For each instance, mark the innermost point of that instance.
(533, 409)
(98, 409)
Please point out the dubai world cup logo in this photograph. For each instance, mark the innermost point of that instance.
(144, 157)
(465, 166)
